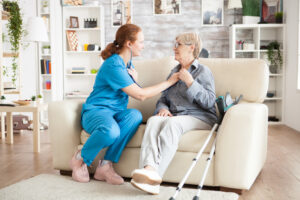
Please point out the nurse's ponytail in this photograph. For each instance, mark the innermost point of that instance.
(125, 33)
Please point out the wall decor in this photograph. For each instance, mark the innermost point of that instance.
(121, 12)
(212, 12)
(166, 7)
(72, 40)
(269, 9)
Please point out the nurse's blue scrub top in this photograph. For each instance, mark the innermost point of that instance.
(107, 91)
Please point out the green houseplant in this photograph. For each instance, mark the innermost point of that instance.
(15, 32)
(274, 56)
(251, 11)
(279, 17)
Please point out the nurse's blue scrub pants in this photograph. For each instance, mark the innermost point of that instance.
(108, 128)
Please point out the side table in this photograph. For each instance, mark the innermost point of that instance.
(35, 109)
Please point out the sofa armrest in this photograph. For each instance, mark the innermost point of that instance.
(65, 128)
(241, 145)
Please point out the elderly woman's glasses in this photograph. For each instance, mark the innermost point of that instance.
(177, 44)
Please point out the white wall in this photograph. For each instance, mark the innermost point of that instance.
(292, 95)
(28, 56)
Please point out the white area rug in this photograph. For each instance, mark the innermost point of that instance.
(48, 187)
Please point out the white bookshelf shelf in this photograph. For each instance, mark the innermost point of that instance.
(273, 98)
(80, 75)
(82, 52)
(83, 29)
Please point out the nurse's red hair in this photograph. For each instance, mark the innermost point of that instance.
(127, 32)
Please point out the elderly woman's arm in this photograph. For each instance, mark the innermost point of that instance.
(202, 90)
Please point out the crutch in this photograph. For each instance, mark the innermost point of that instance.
(194, 163)
(223, 105)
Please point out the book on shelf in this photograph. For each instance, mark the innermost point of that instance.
(45, 66)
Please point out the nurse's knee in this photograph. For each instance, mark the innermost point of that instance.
(111, 132)
(136, 115)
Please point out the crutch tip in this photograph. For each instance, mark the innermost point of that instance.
(196, 198)
(171, 198)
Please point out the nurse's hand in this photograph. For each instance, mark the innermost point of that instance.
(133, 73)
(174, 78)
(164, 113)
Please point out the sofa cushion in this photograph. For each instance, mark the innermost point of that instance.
(191, 141)
(249, 77)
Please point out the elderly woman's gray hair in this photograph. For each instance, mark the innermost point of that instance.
(191, 39)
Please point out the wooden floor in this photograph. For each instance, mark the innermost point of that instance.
(279, 179)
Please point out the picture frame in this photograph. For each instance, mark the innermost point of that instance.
(72, 2)
(212, 12)
(74, 22)
(121, 12)
(166, 7)
(268, 10)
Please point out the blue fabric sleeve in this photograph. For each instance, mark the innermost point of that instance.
(117, 77)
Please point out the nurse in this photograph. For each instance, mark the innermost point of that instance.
(105, 115)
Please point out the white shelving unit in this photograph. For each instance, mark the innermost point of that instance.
(45, 66)
(261, 35)
(45, 69)
(80, 85)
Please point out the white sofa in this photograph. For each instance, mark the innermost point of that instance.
(242, 137)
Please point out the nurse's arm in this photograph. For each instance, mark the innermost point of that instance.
(141, 94)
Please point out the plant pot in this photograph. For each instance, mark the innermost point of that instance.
(46, 51)
(279, 20)
(273, 69)
(45, 9)
(39, 100)
(251, 19)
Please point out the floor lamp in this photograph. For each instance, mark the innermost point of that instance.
(36, 32)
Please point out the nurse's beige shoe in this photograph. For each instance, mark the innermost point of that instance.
(80, 172)
(107, 173)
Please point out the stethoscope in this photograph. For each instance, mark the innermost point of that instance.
(129, 64)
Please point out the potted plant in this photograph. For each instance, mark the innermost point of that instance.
(274, 56)
(46, 49)
(2, 99)
(279, 17)
(33, 98)
(39, 98)
(15, 32)
(45, 6)
(251, 11)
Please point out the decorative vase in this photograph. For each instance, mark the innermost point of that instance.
(273, 69)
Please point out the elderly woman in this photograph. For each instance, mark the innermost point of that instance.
(187, 105)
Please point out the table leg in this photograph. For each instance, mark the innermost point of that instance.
(36, 131)
(2, 126)
(9, 125)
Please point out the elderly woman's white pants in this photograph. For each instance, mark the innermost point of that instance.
(161, 139)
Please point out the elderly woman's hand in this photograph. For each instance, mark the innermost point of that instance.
(133, 73)
(186, 77)
(174, 78)
(164, 113)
